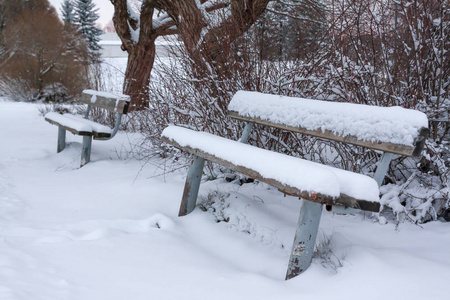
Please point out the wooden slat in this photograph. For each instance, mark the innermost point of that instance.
(74, 131)
(82, 133)
(111, 104)
(329, 135)
(287, 189)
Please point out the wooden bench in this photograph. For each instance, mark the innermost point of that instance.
(82, 126)
(392, 130)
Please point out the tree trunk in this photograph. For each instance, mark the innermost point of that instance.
(137, 75)
(186, 18)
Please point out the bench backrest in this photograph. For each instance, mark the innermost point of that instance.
(117, 103)
(390, 129)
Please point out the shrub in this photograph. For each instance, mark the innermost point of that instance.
(370, 55)
(45, 61)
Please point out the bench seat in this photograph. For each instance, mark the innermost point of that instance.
(78, 125)
(89, 130)
(294, 176)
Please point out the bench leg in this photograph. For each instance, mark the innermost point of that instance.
(86, 150)
(61, 139)
(192, 185)
(383, 167)
(246, 133)
(305, 238)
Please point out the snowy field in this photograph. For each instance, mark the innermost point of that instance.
(110, 231)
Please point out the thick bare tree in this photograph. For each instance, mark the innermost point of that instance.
(206, 28)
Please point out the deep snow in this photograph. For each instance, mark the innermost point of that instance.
(110, 231)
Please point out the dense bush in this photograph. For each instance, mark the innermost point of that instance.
(42, 59)
(370, 52)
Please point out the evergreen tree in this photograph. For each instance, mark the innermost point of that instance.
(85, 17)
(67, 11)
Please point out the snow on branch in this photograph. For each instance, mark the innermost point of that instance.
(164, 25)
(134, 23)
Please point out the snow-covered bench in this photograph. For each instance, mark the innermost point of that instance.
(391, 130)
(79, 125)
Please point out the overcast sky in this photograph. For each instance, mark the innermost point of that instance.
(105, 7)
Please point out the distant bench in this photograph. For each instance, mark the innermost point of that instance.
(79, 125)
(391, 130)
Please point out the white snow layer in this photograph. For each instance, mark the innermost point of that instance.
(302, 174)
(117, 96)
(395, 125)
(110, 230)
(78, 123)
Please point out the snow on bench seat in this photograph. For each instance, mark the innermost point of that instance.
(392, 129)
(294, 176)
(78, 125)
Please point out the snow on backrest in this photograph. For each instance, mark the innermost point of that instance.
(373, 124)
(110, 101)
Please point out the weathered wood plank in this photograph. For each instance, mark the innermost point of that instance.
(329, 135)
(112, 104)
(74, 131)
(290, 190)
(82, 133)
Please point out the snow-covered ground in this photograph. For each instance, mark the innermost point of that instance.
(110, 231)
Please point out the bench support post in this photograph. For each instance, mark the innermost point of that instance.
(305, 238)
(86, 150)
(246, 133)
(61, 139)
(192, 185)
(88, 110)
(383, 167)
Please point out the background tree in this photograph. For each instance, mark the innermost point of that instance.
(3, 15)
(206, 27)
(291, 29)
(85, 18)
(67, 12)
(39, 65)
(10, 9)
